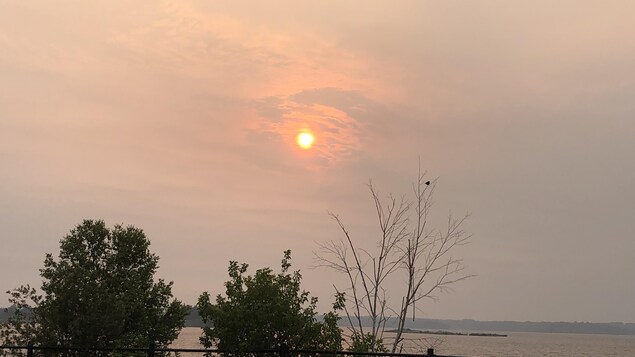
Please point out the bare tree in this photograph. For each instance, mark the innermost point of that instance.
(407, 248)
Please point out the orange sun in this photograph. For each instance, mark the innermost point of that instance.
(305, 140)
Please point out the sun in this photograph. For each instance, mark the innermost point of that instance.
(305, 140)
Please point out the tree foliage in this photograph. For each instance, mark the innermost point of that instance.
(99, 292)
(408, 249)
(22, 327)
(267, 311)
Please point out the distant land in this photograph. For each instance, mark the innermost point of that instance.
(192, 319)
(476, 327)
(468, 326)
(450, 333)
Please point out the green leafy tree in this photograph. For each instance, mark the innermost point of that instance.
(366, 342)
(99, 292)
(267, 311)
(22, 326)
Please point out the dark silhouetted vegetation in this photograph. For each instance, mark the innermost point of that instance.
(99, 292)
(267, 311)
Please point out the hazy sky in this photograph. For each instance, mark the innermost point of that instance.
(180, 117)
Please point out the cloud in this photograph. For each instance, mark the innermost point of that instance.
(251, 59)
(338, 118)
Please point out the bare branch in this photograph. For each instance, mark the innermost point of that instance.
(405, 245)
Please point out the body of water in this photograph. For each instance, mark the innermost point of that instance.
(516, 344)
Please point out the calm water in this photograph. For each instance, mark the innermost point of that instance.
(516, 344)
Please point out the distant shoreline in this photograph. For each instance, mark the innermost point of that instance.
(449, 333)
(477, 328)
(474, 326)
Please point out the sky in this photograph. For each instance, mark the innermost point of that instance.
(180, 118)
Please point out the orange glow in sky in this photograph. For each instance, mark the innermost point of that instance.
(305, 140)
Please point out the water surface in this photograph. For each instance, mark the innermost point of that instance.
(516, 344)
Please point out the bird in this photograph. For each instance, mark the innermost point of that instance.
(428, 183)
